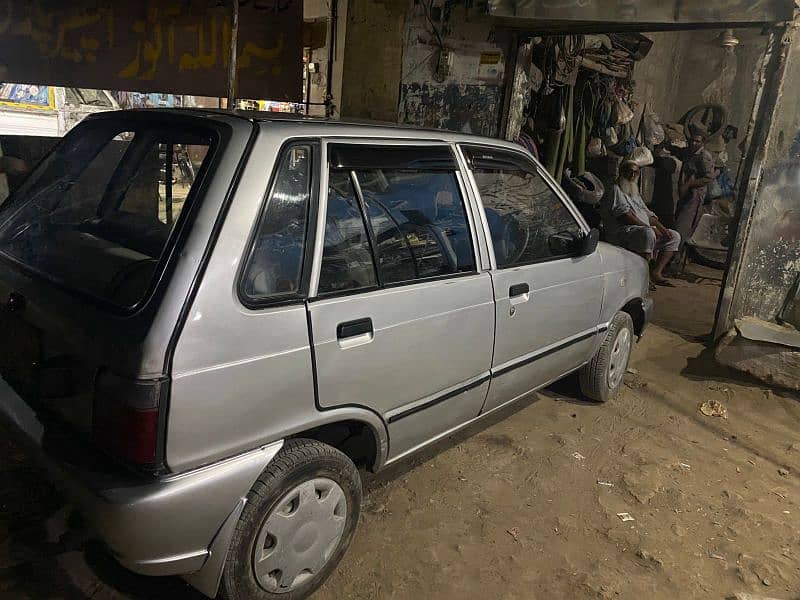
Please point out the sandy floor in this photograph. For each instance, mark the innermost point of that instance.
(526, 505)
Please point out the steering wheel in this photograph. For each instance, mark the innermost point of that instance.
(511, 240)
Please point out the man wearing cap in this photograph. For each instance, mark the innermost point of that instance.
(637, 227)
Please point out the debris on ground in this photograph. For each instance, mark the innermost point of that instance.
(783, 472)
(632, 371)
(714, 408)
(605, 483)
(514, 532)
(578, 456)
(649, 557)
(717, 556)
(746, 596)
(625, 517)
(686, 466)
(635, 382)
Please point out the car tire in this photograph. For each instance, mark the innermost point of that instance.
(296, 526)
(601, 378)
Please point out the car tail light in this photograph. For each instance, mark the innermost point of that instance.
(125, 420)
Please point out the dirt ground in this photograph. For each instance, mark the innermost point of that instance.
(527, 505)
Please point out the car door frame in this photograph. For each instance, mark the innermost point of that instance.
(499, 371)
(482, 266)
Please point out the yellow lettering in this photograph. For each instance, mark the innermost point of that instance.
(252, 51)
(202, 59)
(131, 70)
(152, 52)
(70, 24)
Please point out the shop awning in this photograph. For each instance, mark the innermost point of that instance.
(627, 13)
(178, 46)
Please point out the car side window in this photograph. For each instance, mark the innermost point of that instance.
(395, 215)
(523, 212)
(347, 254)
(275, 265)
(419, 223)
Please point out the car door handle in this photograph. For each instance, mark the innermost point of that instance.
(519, 289)
(352, 329)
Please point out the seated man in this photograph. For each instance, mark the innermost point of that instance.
(639, 229)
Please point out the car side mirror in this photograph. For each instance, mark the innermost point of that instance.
(589, 242)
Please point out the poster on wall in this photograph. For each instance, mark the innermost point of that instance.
(15, 95)
(178, 46)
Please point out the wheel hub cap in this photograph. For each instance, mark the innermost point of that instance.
(300, 534)
(619, 358)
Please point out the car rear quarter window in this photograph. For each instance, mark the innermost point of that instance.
(522, 210)
(274, 268)
(98, 214)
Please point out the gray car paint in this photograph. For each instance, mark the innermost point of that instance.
(242, 379)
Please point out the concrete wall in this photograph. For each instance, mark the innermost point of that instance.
(709, 74)
(319, 10)
(688, 68)
(373, 58)
(390, 65)
(770, 258)
(467, 97)
(657, 75)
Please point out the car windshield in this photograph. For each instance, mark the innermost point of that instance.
(98, 213)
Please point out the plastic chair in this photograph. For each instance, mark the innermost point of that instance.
(711, 230)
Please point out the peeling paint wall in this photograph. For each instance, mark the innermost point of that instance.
(771, 258)
(709, 74)
(318, 10)
(373, 59)
(657, 76)
(688, 68)
(469, 97)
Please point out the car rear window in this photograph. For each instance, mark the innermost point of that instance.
(98, 213)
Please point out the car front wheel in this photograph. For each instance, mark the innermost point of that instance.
(298, 522)
(601, 378)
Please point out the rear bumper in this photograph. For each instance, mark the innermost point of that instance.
(647, 306)
(153, 527)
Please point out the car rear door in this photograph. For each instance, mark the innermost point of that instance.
(547, 302)
(402, 319)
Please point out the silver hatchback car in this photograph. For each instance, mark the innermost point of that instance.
(210, 321)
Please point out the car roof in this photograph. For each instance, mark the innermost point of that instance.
(332, 127)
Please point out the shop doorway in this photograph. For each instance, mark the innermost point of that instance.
(680, 105)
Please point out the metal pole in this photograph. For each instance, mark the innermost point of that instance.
(332, 49)
(234, 57)
(170, 153)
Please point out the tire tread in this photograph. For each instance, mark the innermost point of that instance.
(295, 454)
(592, 375)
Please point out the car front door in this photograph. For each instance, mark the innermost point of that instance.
(547, 296)
(402, 318)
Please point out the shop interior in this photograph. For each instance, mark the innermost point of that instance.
(678, 105)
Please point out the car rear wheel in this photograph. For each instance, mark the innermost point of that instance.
(298, 522)
(601, 378)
